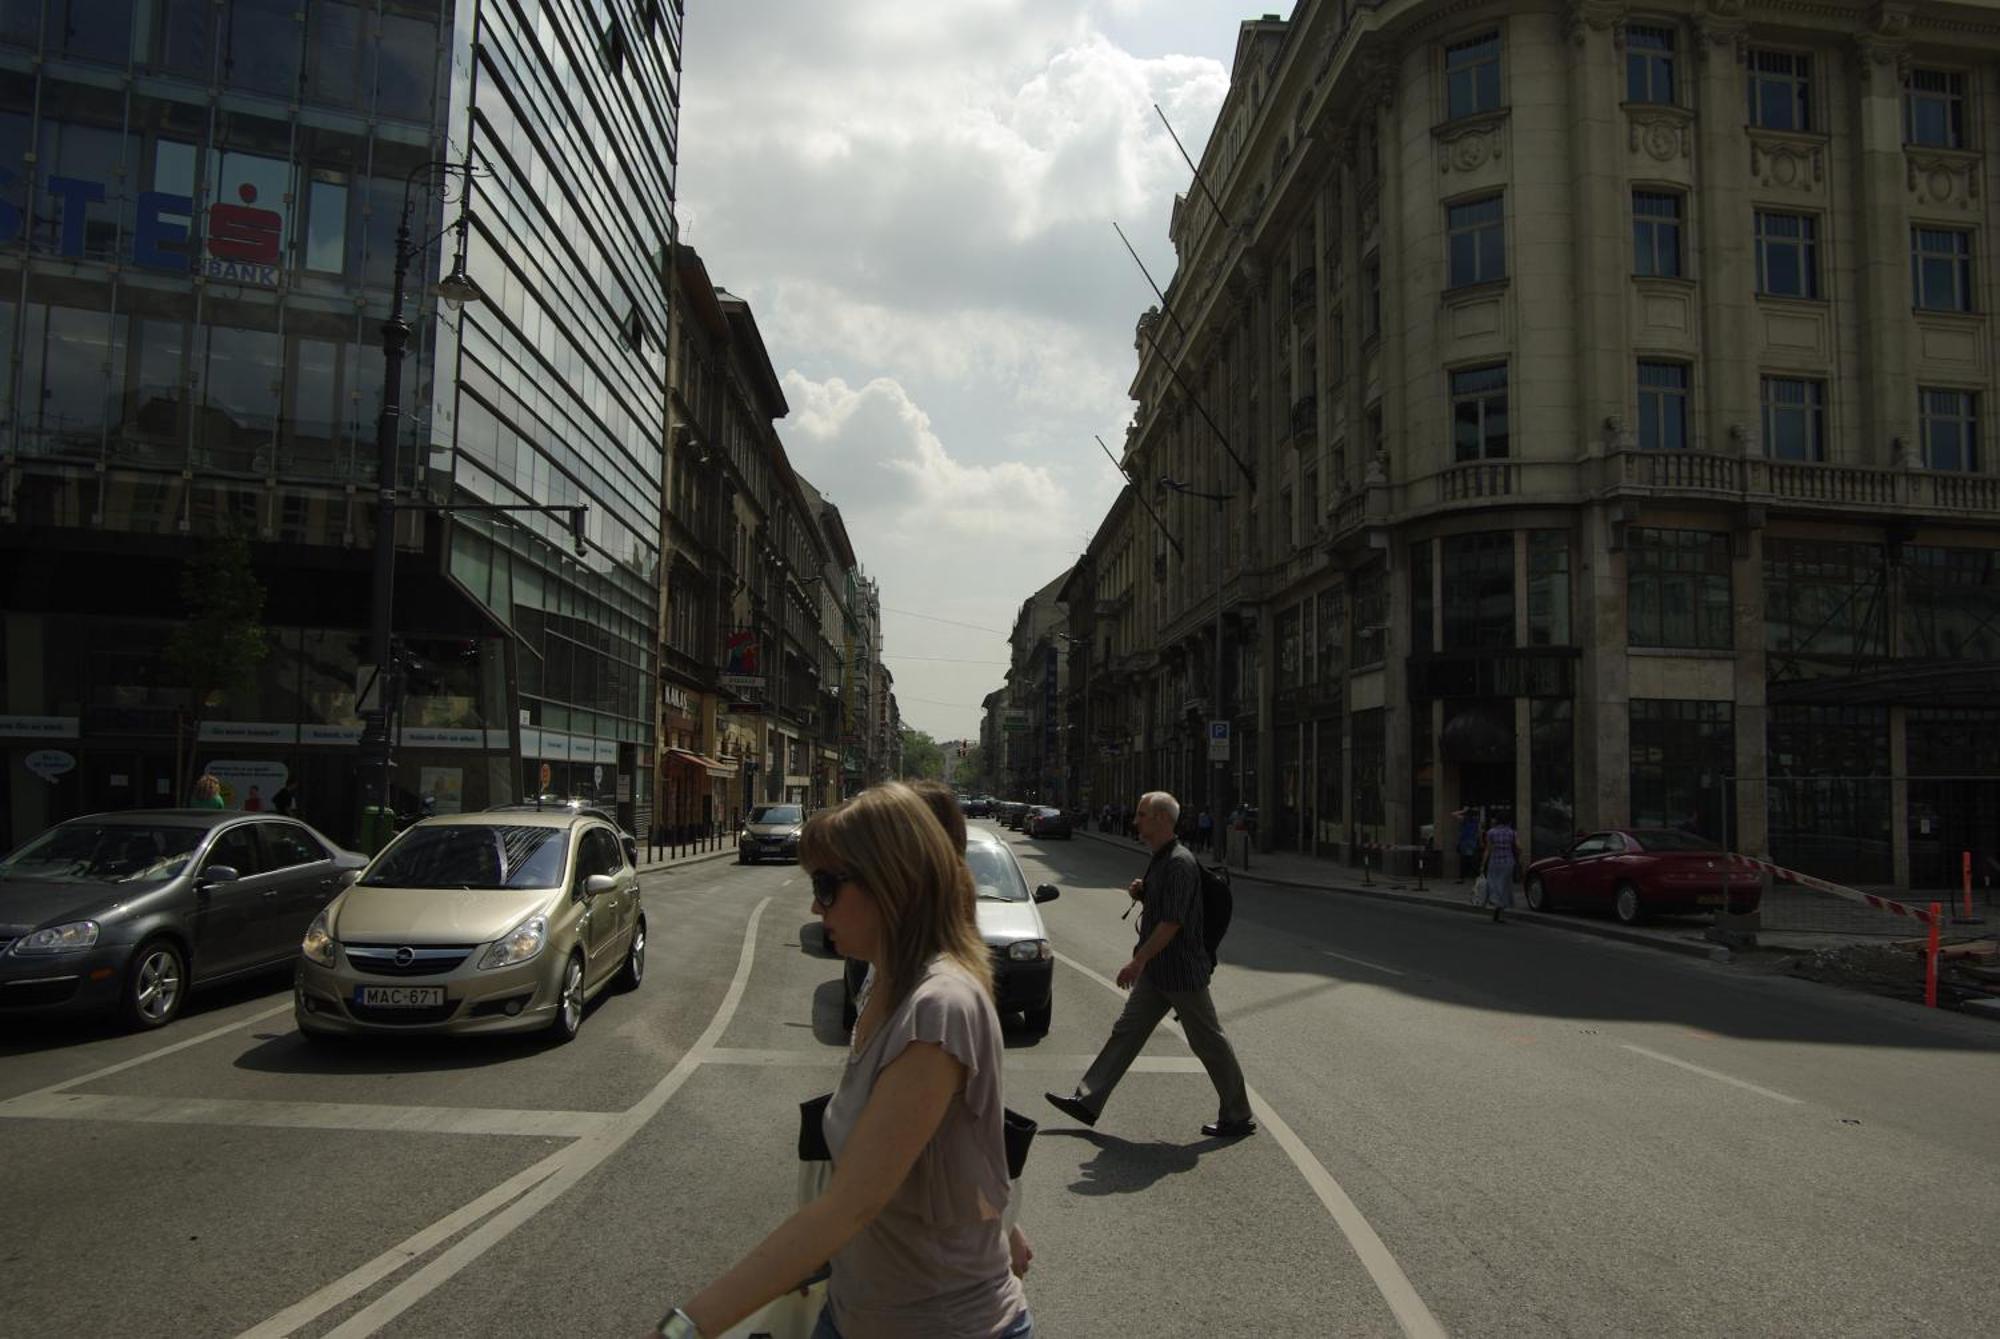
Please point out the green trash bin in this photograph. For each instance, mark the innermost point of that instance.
(378, 825)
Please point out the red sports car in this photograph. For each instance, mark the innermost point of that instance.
(1632, 872)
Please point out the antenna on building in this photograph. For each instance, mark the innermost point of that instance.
(1140, 493)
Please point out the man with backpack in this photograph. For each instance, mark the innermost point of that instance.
(1169, 971)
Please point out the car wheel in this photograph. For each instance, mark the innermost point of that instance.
(155, 985)
(1038, 1020)
(568, 1020)
(634, 970)
(1625, 904)
(1538, 895)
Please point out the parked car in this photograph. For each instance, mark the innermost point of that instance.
(126, 912)
(1635, 871)
(1010, 921)
(979, 806)
(496, 922)
(770, 830)
(1047, 822)
(575, 805)
(1017, 814)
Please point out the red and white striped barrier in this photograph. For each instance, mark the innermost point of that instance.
(1894, 908)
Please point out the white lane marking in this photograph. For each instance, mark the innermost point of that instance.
(124, 1065)
(1710, 1074)
(1411, 1313)
(756, 1059)
(302, 1115)
(511, 1203)
(1016, 1062)
(1361, 962)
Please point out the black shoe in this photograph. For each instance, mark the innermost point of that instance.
(1072, 1107)
(1229, 1129)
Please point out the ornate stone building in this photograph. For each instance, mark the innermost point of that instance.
(1602, 401)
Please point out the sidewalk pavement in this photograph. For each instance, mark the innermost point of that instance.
(725, 851)
(1287, 870)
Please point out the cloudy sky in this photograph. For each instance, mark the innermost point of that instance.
(917, 201)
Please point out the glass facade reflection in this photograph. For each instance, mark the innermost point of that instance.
(199, 205)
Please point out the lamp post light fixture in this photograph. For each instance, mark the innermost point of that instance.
(455, 289)
(1221, 500)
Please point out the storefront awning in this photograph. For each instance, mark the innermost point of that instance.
(710, 765)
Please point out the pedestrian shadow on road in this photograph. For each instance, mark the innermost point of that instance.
(1122, 1167)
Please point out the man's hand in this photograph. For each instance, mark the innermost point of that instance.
(1137, 888)
(1130, 973)
(1020, 1252)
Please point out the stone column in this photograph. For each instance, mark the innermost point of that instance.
(1749, 823)
(1723, 265)
(1883, 263)
(1603, 729)
(1603, 263)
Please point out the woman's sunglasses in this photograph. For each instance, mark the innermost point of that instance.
(826, 884)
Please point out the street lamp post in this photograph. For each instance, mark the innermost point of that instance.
(456, 289)
(1215, 688)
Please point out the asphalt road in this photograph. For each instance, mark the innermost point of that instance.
(1469, 1129)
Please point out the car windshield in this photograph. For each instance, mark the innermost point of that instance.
(85, 852)
(995, 877)
(1663, 839)
(472, 855)
(776, 813)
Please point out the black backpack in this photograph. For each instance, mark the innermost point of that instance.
(1217, 905)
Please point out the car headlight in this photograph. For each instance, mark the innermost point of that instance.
(1030, 950)
(319, 945)
(71, 938)
(521, 943)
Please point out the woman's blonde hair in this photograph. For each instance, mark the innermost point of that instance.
(887, 840)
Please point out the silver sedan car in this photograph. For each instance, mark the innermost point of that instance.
(495, 922)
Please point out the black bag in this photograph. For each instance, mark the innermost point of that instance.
(1018, 1130)
(1218, 903)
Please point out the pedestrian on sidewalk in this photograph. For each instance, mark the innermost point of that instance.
(1205, 831)
(911, 1220)
(1500, 863)
(1169, 970)
(1468, 842)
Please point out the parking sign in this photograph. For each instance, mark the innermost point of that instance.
(1218, 741)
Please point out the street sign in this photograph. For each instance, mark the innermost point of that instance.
(1014, 721)
(1218, 741)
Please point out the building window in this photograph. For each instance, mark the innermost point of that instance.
(1951, 604)
(1371, 615)
(1794, 418)
(1950, 429)
(1551, 773)
(613, 46)
(1309, 492)
(1478, 582)
(1934, 109)
(1787, 255)
(1823, 599)
(1332, 646)
(1827, 790)
(1548, 588)
(1369, 753)
(1681, 751)
(1479, 413)
(1477, 241)
(1371, 296)
(1677, 589)
(1649, 64)
(1423, 602)
(1656, 234)
(1941, 269)
(1780, 90)
(1663, 406)
(1472, 76)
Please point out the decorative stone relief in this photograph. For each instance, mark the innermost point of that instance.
(1371, 212)
(1939, 180)
(1786, 165)
(1662, 136)
(1465, 149)
(1881, 64)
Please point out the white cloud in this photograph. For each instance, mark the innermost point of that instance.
(917, 201)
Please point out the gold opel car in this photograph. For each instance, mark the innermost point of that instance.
(495, 922)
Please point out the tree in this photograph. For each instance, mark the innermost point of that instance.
(923, 760)
(216, 649)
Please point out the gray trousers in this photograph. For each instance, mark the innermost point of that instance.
(1144, 1008)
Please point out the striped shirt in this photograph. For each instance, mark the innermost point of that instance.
(1172, 892)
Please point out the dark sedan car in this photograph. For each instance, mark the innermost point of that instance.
(126, 912)
(1046, 822)
(1631, 872)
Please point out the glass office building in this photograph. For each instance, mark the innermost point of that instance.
(199, 203)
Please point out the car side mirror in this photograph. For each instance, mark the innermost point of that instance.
(349, 877)
(217, 874)
(597, 884)
(1048, 892)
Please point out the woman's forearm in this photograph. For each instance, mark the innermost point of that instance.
(795, 1249)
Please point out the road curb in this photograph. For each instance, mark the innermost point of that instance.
(668, 866)
(1520, 916)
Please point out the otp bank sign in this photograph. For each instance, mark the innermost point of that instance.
(242, 242)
